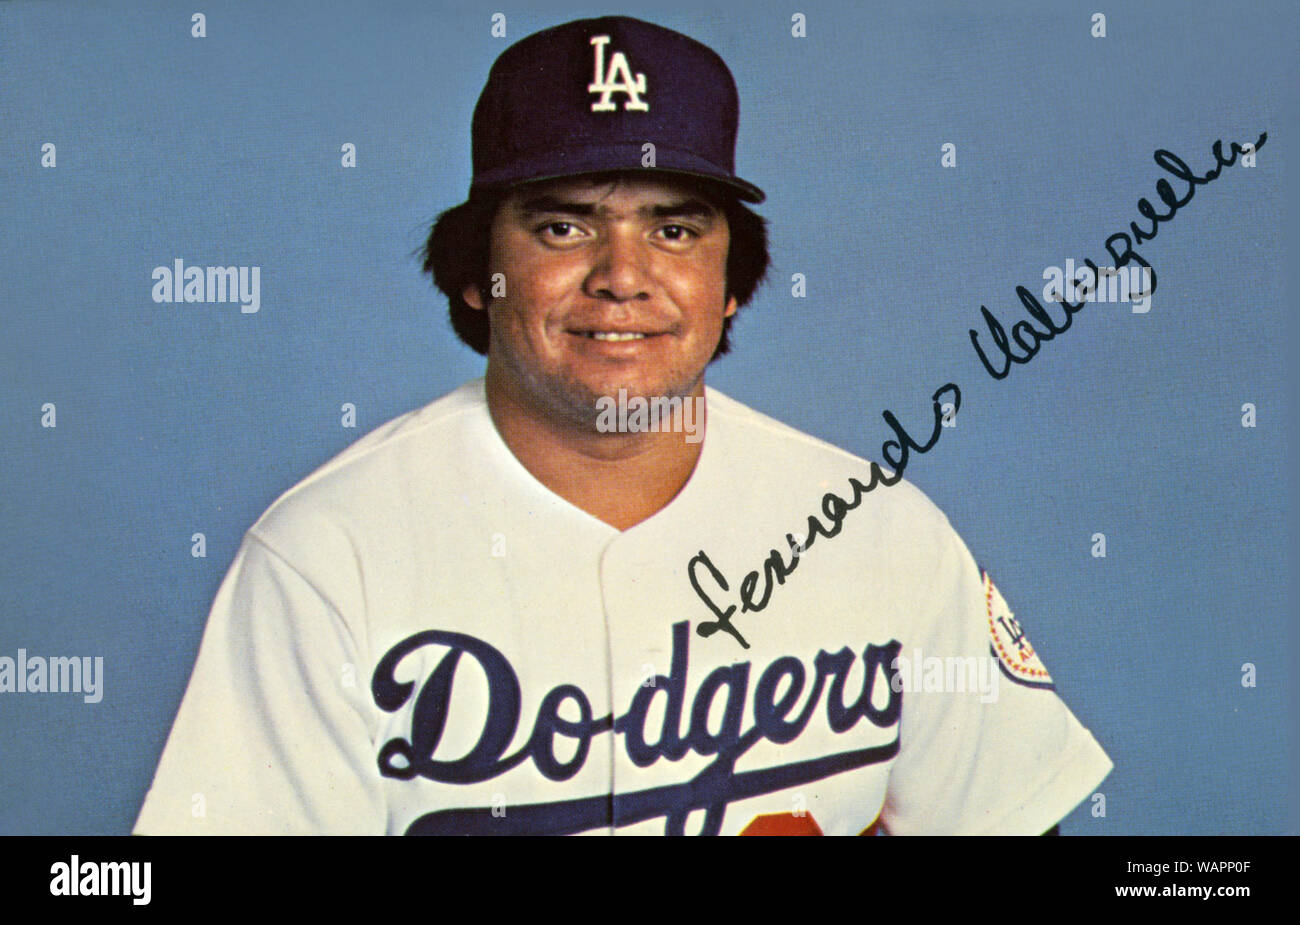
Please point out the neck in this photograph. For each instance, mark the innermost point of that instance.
(619, 478)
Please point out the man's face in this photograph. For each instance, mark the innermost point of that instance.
(609, 284)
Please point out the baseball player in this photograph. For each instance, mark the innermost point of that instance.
(587, 593)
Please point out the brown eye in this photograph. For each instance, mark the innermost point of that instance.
(560, 233)
(676, 232)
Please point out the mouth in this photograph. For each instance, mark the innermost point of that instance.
(608, 336)
(613, 336)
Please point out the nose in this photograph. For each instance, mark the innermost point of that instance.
(619, 272)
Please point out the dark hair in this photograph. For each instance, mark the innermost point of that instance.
(456, 255)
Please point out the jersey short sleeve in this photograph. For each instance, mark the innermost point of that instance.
(987, 745)
(272, 735)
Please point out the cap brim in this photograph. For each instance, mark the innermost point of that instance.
(553, 164)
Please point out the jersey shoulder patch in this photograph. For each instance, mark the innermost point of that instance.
(1009, 644)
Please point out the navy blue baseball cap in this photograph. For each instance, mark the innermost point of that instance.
(587, 97)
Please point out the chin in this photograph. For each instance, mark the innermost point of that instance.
(635, 386)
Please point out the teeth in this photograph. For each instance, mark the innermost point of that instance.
(615, 335)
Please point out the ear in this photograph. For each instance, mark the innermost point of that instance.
(472, 296)
(731, 307)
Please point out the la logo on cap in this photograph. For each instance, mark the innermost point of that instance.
(617, 80)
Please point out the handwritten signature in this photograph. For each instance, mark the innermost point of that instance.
(776, 569)
(1029, 338)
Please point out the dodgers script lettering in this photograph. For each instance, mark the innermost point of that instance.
(777, 719)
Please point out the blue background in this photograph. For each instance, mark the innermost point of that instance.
(176, 419)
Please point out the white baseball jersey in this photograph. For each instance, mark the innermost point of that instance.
(421, 638)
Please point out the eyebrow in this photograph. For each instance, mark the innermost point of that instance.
(685, 208)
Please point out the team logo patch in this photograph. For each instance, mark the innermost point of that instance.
(1010, 644)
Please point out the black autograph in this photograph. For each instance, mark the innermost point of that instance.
(775, 567)
(1030, 340)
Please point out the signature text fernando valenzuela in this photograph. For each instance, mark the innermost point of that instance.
(756, 588)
